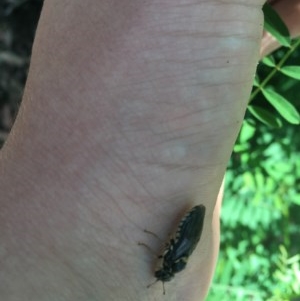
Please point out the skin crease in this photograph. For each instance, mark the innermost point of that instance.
(129, 116)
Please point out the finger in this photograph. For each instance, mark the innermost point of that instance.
(289, 11)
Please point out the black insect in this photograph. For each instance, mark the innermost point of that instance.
(180, 247)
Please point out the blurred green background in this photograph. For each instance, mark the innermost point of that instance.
(260, 234)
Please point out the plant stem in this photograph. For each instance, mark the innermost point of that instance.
(275, 69)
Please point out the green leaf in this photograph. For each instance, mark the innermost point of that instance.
(247, 132)
(268, 61)
(265, 117)
(256, 81)
(283, 106)
(275, 26)
(239, 148)
(291, 71)
(296, 201)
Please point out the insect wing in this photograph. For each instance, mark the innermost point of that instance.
(188, 233)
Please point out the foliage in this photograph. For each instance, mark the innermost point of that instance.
(259, 255)
(278, 101)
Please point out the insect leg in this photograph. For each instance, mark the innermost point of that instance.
(152, 283)
(146, 246)
(163, 285)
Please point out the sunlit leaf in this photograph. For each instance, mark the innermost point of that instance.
(268, 61)
(238, 148)
(283, 106)
(247, 132)
(256, 81)
(291, 71)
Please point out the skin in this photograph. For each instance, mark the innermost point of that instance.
(129, 117)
